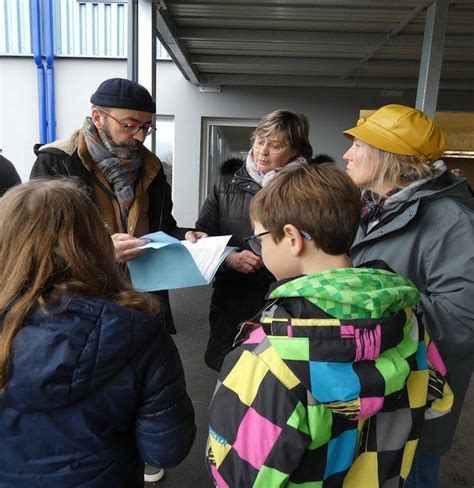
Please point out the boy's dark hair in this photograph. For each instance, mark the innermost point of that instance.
(230, 166)
(320, 200)
(322, 158)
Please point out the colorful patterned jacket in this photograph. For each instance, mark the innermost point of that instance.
(328, 387)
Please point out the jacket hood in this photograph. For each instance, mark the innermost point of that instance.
(443, 185)
(345, 334)
(358, 293)
(62, 355)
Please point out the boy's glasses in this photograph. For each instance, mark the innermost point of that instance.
(131, 128)
(255, 241)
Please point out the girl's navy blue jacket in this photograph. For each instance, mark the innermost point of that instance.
(95, 390)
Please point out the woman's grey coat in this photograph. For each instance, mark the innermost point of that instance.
(427, 235)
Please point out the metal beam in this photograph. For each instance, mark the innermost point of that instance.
(166, 33)
(132, 41)
(432, 56)
(296, 3)
(306, 37)
(303, 3)
(287, 37)
(217, 62)
(325, 81)
(398, 28)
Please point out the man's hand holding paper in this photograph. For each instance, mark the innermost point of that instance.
(127, 246)
(171, 263)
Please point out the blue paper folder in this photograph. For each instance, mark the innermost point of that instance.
(169, 264)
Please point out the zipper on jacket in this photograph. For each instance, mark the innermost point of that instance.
(243, 180)
(160, 225)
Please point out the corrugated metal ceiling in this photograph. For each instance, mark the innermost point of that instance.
(312, 42)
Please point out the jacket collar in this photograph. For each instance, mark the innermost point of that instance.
(67, 145)
(391, 222)
(242, 179)
(445, 184)
(275, 284)
(408, 204)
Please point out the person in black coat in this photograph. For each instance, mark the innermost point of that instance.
(91, 383)
(240, 285)
(8, 175)
(321, 158)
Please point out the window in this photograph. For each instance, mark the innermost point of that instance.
(165, 144)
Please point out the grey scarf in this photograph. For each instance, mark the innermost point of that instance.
(119, 165)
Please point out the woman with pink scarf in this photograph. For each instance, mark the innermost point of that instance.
(240, 286)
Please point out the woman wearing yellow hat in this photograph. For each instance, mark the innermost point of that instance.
(418, 218)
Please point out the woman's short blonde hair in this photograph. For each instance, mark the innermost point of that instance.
(398, 170)
(296, 127)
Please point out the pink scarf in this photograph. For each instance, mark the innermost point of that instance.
(263, 178)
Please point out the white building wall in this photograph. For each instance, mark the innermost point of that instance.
(75, 81)
(330, 111)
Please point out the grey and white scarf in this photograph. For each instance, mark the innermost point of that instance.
(119, 165)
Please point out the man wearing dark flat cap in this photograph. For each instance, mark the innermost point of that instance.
(125, 180)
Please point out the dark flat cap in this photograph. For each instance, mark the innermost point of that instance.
(122, 93)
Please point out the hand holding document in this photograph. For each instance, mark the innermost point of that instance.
(170, 263)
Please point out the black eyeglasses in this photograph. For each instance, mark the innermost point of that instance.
(255, 241)
(131, 128)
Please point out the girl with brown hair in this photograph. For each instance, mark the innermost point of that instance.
(91, 384)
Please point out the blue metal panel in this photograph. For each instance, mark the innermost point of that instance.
(48, 17)
(36, 41)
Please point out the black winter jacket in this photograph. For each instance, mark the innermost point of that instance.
(226, 211)
(95, 388)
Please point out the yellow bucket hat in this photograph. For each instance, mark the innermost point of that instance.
(401, 130)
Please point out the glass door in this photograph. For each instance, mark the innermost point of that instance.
(222, 139)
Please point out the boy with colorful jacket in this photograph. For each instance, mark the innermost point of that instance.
(330, 383)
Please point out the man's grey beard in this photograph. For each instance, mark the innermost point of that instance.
(132, 145)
